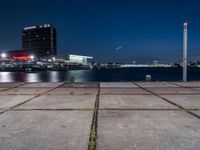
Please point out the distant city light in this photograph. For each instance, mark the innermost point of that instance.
(185, 24)
(3, 55)
(32, 57)
(54, 58)
(45, 26)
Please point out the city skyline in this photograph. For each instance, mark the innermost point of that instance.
(123, 31)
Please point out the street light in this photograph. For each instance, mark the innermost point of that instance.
(3, 55)
(185, 47)
(32, 57)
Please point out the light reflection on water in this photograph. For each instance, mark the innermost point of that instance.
(50, 76)
(100, 75)
(33, 77)
(53, 76)
(7, 77)
(81, 75)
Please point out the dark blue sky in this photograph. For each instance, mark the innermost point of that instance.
(141, 30)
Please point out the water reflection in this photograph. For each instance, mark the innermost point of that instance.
(100, 75)
(33, 77)
(53, 76)
(7, 77)
(81, 75)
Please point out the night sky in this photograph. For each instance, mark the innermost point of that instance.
(109, 30)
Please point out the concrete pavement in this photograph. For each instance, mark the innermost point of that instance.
(124, 115)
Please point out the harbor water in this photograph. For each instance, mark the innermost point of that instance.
(102, 75)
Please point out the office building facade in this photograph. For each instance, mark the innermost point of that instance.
(40, 40)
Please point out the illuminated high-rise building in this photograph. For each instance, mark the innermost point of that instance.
(40, 40)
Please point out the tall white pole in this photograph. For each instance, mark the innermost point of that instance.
(185, 45)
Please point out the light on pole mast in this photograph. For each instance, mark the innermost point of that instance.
(185, 46)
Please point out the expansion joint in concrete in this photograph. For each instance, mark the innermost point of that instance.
(21, 84)
(192, 87)
(173, 103)
(11, 108)
(52, 109)
(93, 130)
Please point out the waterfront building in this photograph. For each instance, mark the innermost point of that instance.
(79, 59)
(40, 41)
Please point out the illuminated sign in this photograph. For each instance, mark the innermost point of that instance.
(32, 27)
(21, 58)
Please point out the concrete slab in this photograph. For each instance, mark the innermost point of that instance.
(178, 90)
(134, 102)
(147, 130)
(25, 91)
(8, 101)
(43, 85)
(74, 91)
(188, 84)
(117, 84)
(61, 102)
(186, 101)
(38, 130)
(10, 85)
(123, 91)
(155, 84)
(82, 85)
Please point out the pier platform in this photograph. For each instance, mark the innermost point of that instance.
(101, 116)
